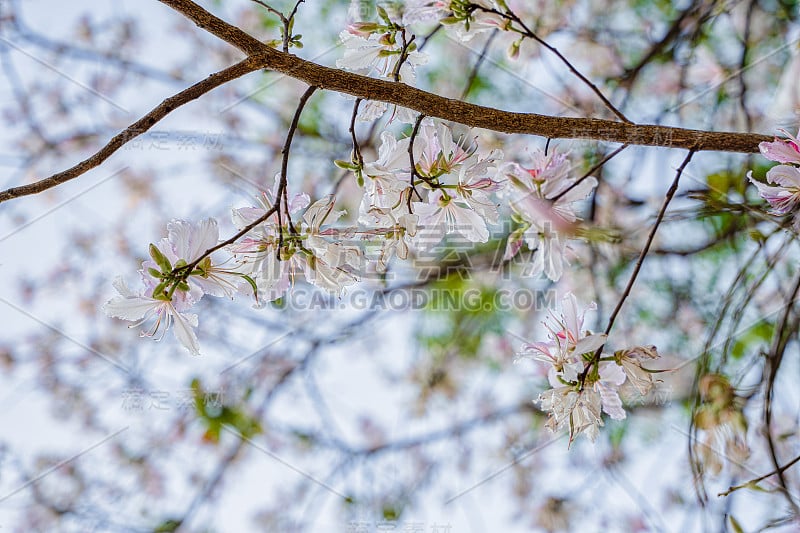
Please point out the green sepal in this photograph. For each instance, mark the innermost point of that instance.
(160, 259)
(385, 16)
(204, 267)
(250, 281)
(159, 292)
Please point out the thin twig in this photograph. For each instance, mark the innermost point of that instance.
(413, 168)
(136, 129)
(283, 185)
(275, 208)
(589, 172)
(667, 199)
(779, 471)
(527, 32)
(358, 158)
(773, 360)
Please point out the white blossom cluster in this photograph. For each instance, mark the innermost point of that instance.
(585, 383)
(453, 190)
(417, 191)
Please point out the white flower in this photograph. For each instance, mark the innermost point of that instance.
(187, 242)
(328, 265)
(387, 177)
(445, 214)
(257, 252)
(567, 344)
(577, 411)
(141, 308)
(378, 54)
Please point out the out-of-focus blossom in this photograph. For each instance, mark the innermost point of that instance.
(542, 198)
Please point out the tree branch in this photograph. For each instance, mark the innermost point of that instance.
(135, 129)
(462, 112)
(261, 56)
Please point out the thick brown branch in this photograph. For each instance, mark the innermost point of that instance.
(135, 129)
(464, 113)
(262, 56)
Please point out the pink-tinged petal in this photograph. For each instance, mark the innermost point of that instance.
(188, 241)
(315, 215)
(785, 176)
(542, 212)
(179, 237)
(245, 216)
(780, 151)
(554, 259)
(469, 223)
(541, 351)
(122, 287)
(782, 200)
(573, 322)
(513, 247)
(388, 147)
(298, 202)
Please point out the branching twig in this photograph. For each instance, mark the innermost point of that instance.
(780, 470)
(280, 194)
(285, 20)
